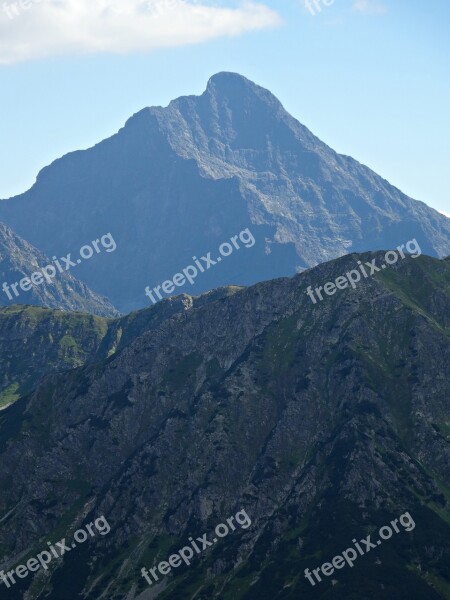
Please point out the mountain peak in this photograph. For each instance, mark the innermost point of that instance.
(228, 83)
(198, 172)
(226, 79)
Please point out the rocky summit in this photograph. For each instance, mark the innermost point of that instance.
(176, 182)
(323, 422)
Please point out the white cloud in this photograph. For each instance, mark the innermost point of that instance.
(42, 28)
(369, 7)
(446, 214)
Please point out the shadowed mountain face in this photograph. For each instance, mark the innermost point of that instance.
(323, 421)
(177, 182)
(37, 341)
(19, 259)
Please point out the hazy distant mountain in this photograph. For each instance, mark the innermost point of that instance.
(323, 421)
(19, 260)
(177, 182)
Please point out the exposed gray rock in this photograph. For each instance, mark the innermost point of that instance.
(177, 182)
(19, 259)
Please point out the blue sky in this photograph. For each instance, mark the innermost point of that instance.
(369, 77)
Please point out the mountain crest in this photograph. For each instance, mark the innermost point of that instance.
(179, 181)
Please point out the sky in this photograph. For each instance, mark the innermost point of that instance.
(368, 77)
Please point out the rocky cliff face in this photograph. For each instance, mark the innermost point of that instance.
(177, 182)
(323, 421)
(19, 259)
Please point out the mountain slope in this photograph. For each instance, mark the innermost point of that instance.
(179, 181)
(35, 342)
(323, 421)
(19, 259)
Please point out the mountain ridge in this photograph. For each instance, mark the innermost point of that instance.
(302, 414)
(178, 181)
(18, 259)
